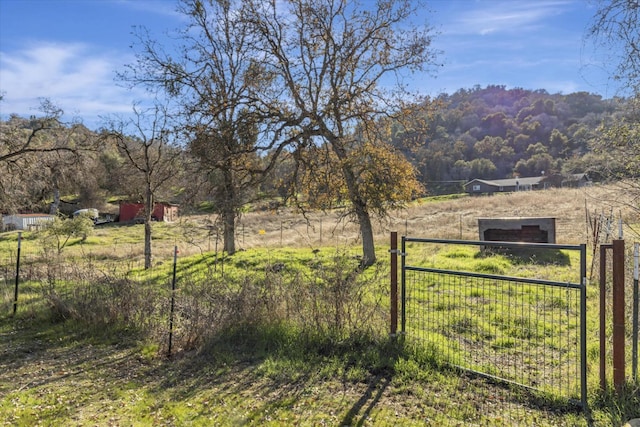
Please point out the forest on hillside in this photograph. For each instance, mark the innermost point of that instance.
(494, 133)
(486, 133)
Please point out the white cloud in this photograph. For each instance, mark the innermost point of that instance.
(73, 76)
(505, 16)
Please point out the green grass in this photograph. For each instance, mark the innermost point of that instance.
(435, 199)
(269, 377)
(301, 340)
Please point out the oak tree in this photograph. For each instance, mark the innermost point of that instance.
(223, 95)
(337, 61)
(38, 156)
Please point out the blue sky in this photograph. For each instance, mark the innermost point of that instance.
(69, 50)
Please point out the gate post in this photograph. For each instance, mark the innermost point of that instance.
(394, 283)
(618, 314)
(403, 286)
(583, 326)
(603, 315)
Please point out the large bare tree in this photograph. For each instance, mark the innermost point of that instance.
(223, 95)
(147, 141)
(338, 61)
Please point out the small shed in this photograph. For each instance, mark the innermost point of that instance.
(519, 229)
(25, 221)
(166, 212)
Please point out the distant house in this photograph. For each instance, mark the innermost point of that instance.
(167, 212)
(484, 186)
(25, 221)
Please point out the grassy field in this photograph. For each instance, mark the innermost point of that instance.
(286, 332)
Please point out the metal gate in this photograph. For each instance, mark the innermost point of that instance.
(513, 328)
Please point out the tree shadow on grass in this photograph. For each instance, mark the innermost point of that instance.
(381, 374)
(53, 365)
(283, 371)
(277, 377)
(360, 411)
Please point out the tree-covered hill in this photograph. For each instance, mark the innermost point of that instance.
(495, 132)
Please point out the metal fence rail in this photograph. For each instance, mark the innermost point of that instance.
(519, 330)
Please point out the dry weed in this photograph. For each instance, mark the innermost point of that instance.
(455, 219)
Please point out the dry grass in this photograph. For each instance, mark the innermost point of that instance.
(456, 218)
(429, 218)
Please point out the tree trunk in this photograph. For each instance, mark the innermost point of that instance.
(229, 225)
(147, 244)
(229, 213)
(366, 233)
(360, 209)
(55, 205)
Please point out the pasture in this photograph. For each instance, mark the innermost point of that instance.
(285, 332)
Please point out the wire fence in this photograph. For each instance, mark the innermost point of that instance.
(212, 290)
(519, 330)
(527, 334)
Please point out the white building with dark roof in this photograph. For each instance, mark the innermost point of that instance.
(25, 221)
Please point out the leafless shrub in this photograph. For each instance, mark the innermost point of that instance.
(100, 299)
(335, 301)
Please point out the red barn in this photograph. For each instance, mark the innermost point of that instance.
(161, 212)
